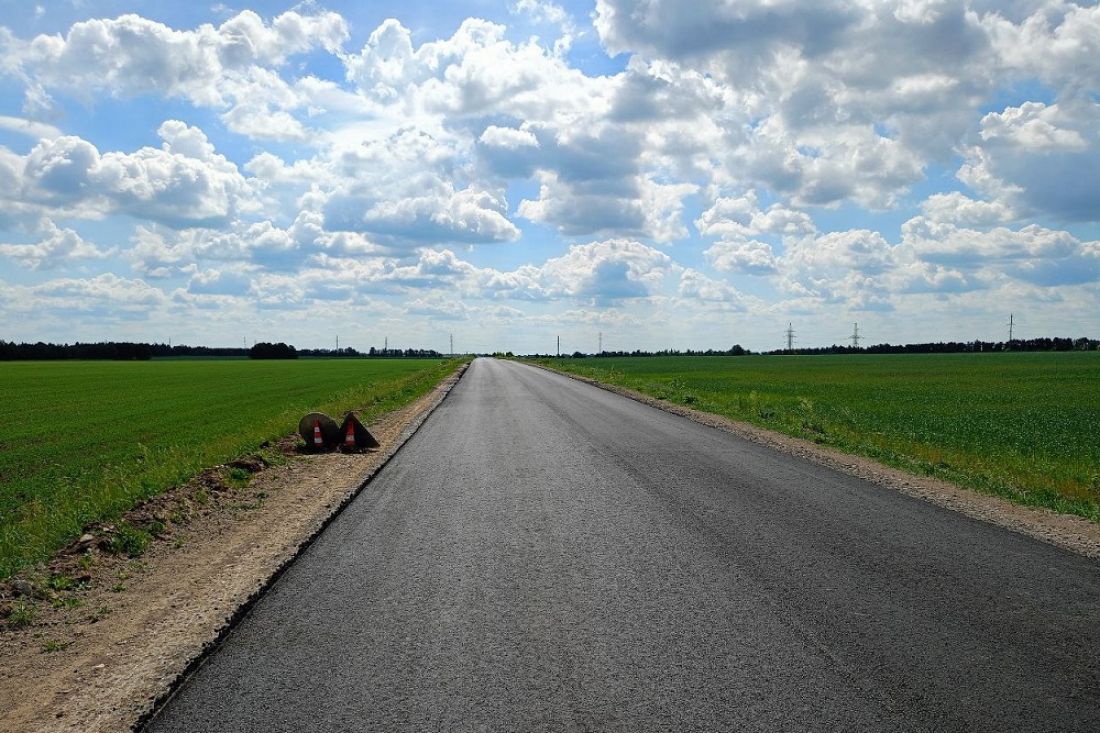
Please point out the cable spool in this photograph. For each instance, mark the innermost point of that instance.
(326, 426)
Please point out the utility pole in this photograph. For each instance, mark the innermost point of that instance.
(386, 348)
(452, 344)
(337, 342)
(790, 337)
(559, 345)
(601, 343)
(855, 336)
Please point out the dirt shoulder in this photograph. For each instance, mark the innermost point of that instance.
(97, 639)
(1066, 531)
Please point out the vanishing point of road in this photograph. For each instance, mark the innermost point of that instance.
(544, 555)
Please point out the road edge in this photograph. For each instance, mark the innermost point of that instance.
(1065, 531)
(439, 394)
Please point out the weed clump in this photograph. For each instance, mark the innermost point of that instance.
(130, 540)
(238, 477)
(22, 614)
(54, 645)
(60, 582)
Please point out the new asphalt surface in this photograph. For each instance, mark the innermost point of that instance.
(544, 555)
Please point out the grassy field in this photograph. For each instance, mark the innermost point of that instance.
(1023, 426)
(83, 441)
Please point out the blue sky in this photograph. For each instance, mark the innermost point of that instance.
(669, 174)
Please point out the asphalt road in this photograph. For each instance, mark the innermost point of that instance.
(544, 555)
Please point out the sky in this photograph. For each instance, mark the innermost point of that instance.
(652, 173)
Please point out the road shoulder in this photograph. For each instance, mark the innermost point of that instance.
(103, 658)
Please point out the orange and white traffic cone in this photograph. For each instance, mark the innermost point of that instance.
(349, 438)
(318, 439)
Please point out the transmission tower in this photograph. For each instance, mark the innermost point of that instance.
(790, 337)
(452, 344)
(559, 345)
(600, 351)
(1011, 325)
(855, 336)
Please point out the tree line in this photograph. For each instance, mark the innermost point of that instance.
(735, 350)
(117, 350)
(131, 351)
(371, 353)
(939, 347)
(956, 347)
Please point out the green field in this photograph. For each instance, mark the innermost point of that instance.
(1023, 426)
(83, 441)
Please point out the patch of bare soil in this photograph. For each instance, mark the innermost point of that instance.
(1066, 531)
(91, 641)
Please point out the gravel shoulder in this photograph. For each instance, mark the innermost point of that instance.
(101, 657)
(1065, 531)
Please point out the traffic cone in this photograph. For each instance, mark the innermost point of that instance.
(318, 439)
(349, 438)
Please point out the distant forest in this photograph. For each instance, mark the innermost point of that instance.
(957, 347)
(940, 347)
(127, 351)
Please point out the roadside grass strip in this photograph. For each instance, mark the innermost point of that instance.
(1022, 426)
(82, 442)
